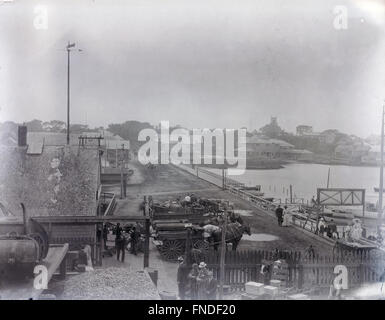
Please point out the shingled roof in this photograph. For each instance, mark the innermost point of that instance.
(59, 181)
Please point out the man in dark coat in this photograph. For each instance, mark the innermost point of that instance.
(135, 235)
(118, 231)
(211, 287)
(121, 247)
(182, 276)
(192, 280)
(279, 214)
(118, 240)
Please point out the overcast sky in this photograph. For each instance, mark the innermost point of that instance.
(198, 63)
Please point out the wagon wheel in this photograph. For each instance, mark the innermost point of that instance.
(201, 245)
(172, 249)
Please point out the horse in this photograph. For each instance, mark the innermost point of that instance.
(234, 233)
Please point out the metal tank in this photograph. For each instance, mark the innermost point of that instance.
(20, 253)
(18, 256)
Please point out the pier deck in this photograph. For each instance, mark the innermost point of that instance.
(167, 181)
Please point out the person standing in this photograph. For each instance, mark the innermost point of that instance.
(313, 201)
(332, 229)
(122, 246)
(192, 279)
(202, 281)
(134, 240)
(118, 231)
(286, 217)
(118, 238)
(279, 214)
(211, 287)
(182, 276)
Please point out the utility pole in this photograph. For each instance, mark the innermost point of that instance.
(380, 191)
(121, 173)
(69, 46)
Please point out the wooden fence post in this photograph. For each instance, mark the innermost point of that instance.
(146, 258)
(300, 276)
(144, 205)
(223, 254)
(63, 268)
(362, 274)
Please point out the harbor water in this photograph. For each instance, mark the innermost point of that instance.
(306, 178)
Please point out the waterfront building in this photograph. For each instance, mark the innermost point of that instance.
(351, 151)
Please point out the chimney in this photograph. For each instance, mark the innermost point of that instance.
(22, 136)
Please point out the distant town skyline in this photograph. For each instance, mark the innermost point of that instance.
(173, 125)
(197, 64)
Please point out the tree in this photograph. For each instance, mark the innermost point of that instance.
(35, 125)
(129, 130)
(79, 128)
(272, 130)
(54, 126)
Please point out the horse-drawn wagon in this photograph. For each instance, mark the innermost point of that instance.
(177, 226)
(178, 223)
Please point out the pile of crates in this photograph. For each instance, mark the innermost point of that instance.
(277, 286)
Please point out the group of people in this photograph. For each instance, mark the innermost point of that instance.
(328, 229)
(196, 281)
(283, 216)
(122, 239)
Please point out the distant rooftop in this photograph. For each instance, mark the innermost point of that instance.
(261, 140)
(37, 140)
(52, 138)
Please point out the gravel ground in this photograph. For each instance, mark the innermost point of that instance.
(110, 284)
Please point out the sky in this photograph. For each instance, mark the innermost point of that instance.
(196, 63)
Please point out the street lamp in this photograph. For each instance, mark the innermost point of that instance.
(69, 48)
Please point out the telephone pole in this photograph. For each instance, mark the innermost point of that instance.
(122, 164)
(69, 46)
(380, 191)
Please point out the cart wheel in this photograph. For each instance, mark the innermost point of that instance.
(202, 245)
(172, 249)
